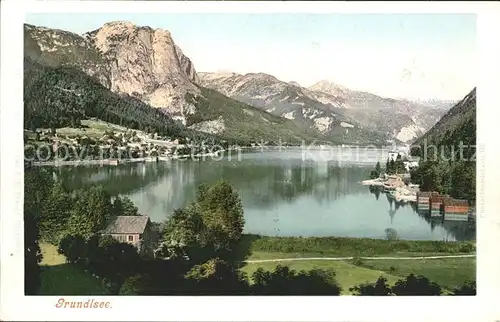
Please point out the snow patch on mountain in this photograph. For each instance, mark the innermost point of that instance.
(289, 115)
(345, 124)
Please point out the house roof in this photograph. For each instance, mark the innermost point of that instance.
(428, 193)
(455, 202)
(127, 225)
(439, 198)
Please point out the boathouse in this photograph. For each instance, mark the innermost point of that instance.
(436, 205)
(454, 209)
(423, 200)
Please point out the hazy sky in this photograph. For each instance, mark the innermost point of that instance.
(412, 56)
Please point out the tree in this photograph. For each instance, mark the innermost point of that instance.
(106, 240)
(37, 186)
(380, 287)
(216, 277)
(374, 174)
(221, 206)
(399, 166)
(416, 285)
(392, 167)
(32, 254)
(463, 180)
(377, 167)
(117, 262)
(431, 180)
(124, 207)
(135, 285)
(183, 234)
(55, 214)
(90, 213)
(416, 174)
(74, 248)
(285, 281)
(391, 234)
(469, 288)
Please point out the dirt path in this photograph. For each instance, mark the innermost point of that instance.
(349, 258)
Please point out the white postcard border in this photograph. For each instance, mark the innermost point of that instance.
(483, 307)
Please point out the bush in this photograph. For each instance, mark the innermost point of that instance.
(134, 285)
(416, 285)
(380, 287)
(286, 281)
(74, 248)
(357, 261)
(391, 234)
(467, 248)
(469, 288)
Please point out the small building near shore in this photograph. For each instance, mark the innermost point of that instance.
(409, 164)
(393, 155)
(435, 205)
(393, 182)
(423, 200)
(135, 230)
(455, 209)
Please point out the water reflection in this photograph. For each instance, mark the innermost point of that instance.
(453, 230)
(281, 195)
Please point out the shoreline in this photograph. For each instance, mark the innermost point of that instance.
(115, 162)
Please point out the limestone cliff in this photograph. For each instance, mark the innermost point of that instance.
(138, 61)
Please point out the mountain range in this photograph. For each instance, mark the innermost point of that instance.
(325, 104)
(142, 66)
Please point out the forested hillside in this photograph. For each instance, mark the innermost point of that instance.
(457, 125)
(448, 153)
(61, 96)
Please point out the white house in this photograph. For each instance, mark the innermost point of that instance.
(393, 155)
(410, 164)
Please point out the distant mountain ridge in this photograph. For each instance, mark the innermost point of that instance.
(292, 102)
(324, 102)
(443, 104)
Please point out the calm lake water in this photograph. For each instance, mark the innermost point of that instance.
(283, 194)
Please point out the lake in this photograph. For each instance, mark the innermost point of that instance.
(284, 193)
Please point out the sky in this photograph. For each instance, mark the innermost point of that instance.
(412, 56)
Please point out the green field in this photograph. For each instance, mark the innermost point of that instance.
(60, 278)
(448, 272)
(347, 275)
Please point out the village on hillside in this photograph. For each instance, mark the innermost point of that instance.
(107, 144)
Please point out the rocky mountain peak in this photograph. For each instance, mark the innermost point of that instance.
(146, 63)
(329, 87)
(139, 61)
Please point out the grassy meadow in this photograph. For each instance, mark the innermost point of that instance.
(60, 278)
